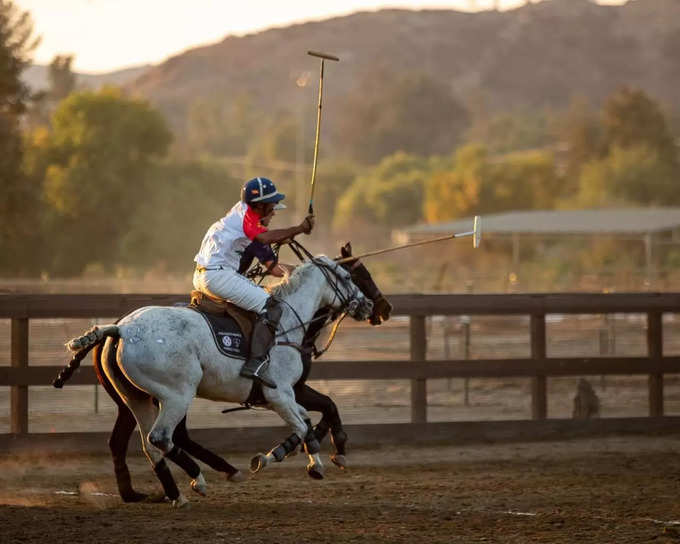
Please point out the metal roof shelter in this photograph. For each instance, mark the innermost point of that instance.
(651, 226)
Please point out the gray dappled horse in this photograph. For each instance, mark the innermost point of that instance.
(305, 395)
(167, 353)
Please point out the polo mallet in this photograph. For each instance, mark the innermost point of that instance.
(476, 234)
(323, 57)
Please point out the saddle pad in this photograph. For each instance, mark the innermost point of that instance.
(228, 337)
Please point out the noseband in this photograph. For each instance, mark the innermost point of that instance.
(348, 303)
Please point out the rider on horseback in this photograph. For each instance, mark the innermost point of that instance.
(240, 233)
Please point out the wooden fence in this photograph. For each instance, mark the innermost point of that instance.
(21, 375)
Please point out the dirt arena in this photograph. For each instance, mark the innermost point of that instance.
(616, 489)
(607, 490)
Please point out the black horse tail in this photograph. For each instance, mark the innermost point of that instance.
(82, 345)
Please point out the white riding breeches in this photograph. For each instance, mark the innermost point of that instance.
(232, 286)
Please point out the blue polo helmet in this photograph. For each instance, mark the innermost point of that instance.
(260, 190)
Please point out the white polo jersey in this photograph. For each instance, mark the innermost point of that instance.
(227, 239)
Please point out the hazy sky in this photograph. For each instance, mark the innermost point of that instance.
(106, 35)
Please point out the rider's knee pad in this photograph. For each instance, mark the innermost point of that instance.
(272, 312)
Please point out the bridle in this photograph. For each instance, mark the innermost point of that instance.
(350, 303)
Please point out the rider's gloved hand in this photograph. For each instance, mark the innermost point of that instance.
(308, 224)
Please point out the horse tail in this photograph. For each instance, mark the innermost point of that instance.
(82, 345)
(92, 337)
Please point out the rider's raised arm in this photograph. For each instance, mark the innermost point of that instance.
(279, 235)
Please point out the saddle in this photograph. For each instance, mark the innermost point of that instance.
(230, 325)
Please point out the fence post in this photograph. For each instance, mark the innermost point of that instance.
(655, 353)
(539, 396)
(465, 328)
(19, 359)
(418, 340)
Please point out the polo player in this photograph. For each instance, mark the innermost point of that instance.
(229, 246)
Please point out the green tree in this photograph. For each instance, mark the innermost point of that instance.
(640, 165)
(456, 191)
(628, 175)
(61, 77)
(334, 178)
(181, 200)
(19, 199)
(17, 44)
(478, 183)
(580, 133)
(631, 118)
(391, 194)
(96, 164)
(527, 180)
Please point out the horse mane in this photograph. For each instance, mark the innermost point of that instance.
(290, 284)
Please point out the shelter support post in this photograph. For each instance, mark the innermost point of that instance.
(515, 253)
(19, 359)
(539, 396)
(650, 269)
(418, 339)
(655, 354)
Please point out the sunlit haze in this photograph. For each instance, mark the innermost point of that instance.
(107, 35)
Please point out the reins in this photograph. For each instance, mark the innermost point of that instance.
(331, 277)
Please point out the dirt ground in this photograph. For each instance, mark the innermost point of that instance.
(616, 489)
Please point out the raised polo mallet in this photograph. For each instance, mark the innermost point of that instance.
(323, 57)
(476, 234)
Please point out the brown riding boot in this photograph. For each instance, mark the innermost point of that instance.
(262, 340)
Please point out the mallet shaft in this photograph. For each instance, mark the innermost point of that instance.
(316, 140)
(395, 248)
(475, 233)
(323, 57)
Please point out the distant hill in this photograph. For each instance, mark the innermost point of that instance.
(36, 77)
(539, 55)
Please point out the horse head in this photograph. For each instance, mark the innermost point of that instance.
(363, 280)
(342, 293)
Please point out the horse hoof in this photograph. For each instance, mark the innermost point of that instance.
(133, 496)
(258, 462)
(315, 471)
(339, 461)
(237, 477)
(199, 485)
(180, 502)
(156, 498)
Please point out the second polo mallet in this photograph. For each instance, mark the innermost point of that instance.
(476, 234)
(323, 57)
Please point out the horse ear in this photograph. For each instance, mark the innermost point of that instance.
(346, 250)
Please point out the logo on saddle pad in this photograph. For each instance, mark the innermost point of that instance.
(231, 341)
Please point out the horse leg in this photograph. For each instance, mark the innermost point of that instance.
(312, 400)
(173, 409)
(120, 435)
(295, 415)
(181, 439)
(145, 414)
(142, 407)
(118, 444)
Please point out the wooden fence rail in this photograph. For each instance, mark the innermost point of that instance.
(20, 375)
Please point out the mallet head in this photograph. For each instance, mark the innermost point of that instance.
(326, 56)
(477, 232)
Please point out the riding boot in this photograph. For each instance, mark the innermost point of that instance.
(262, 340)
